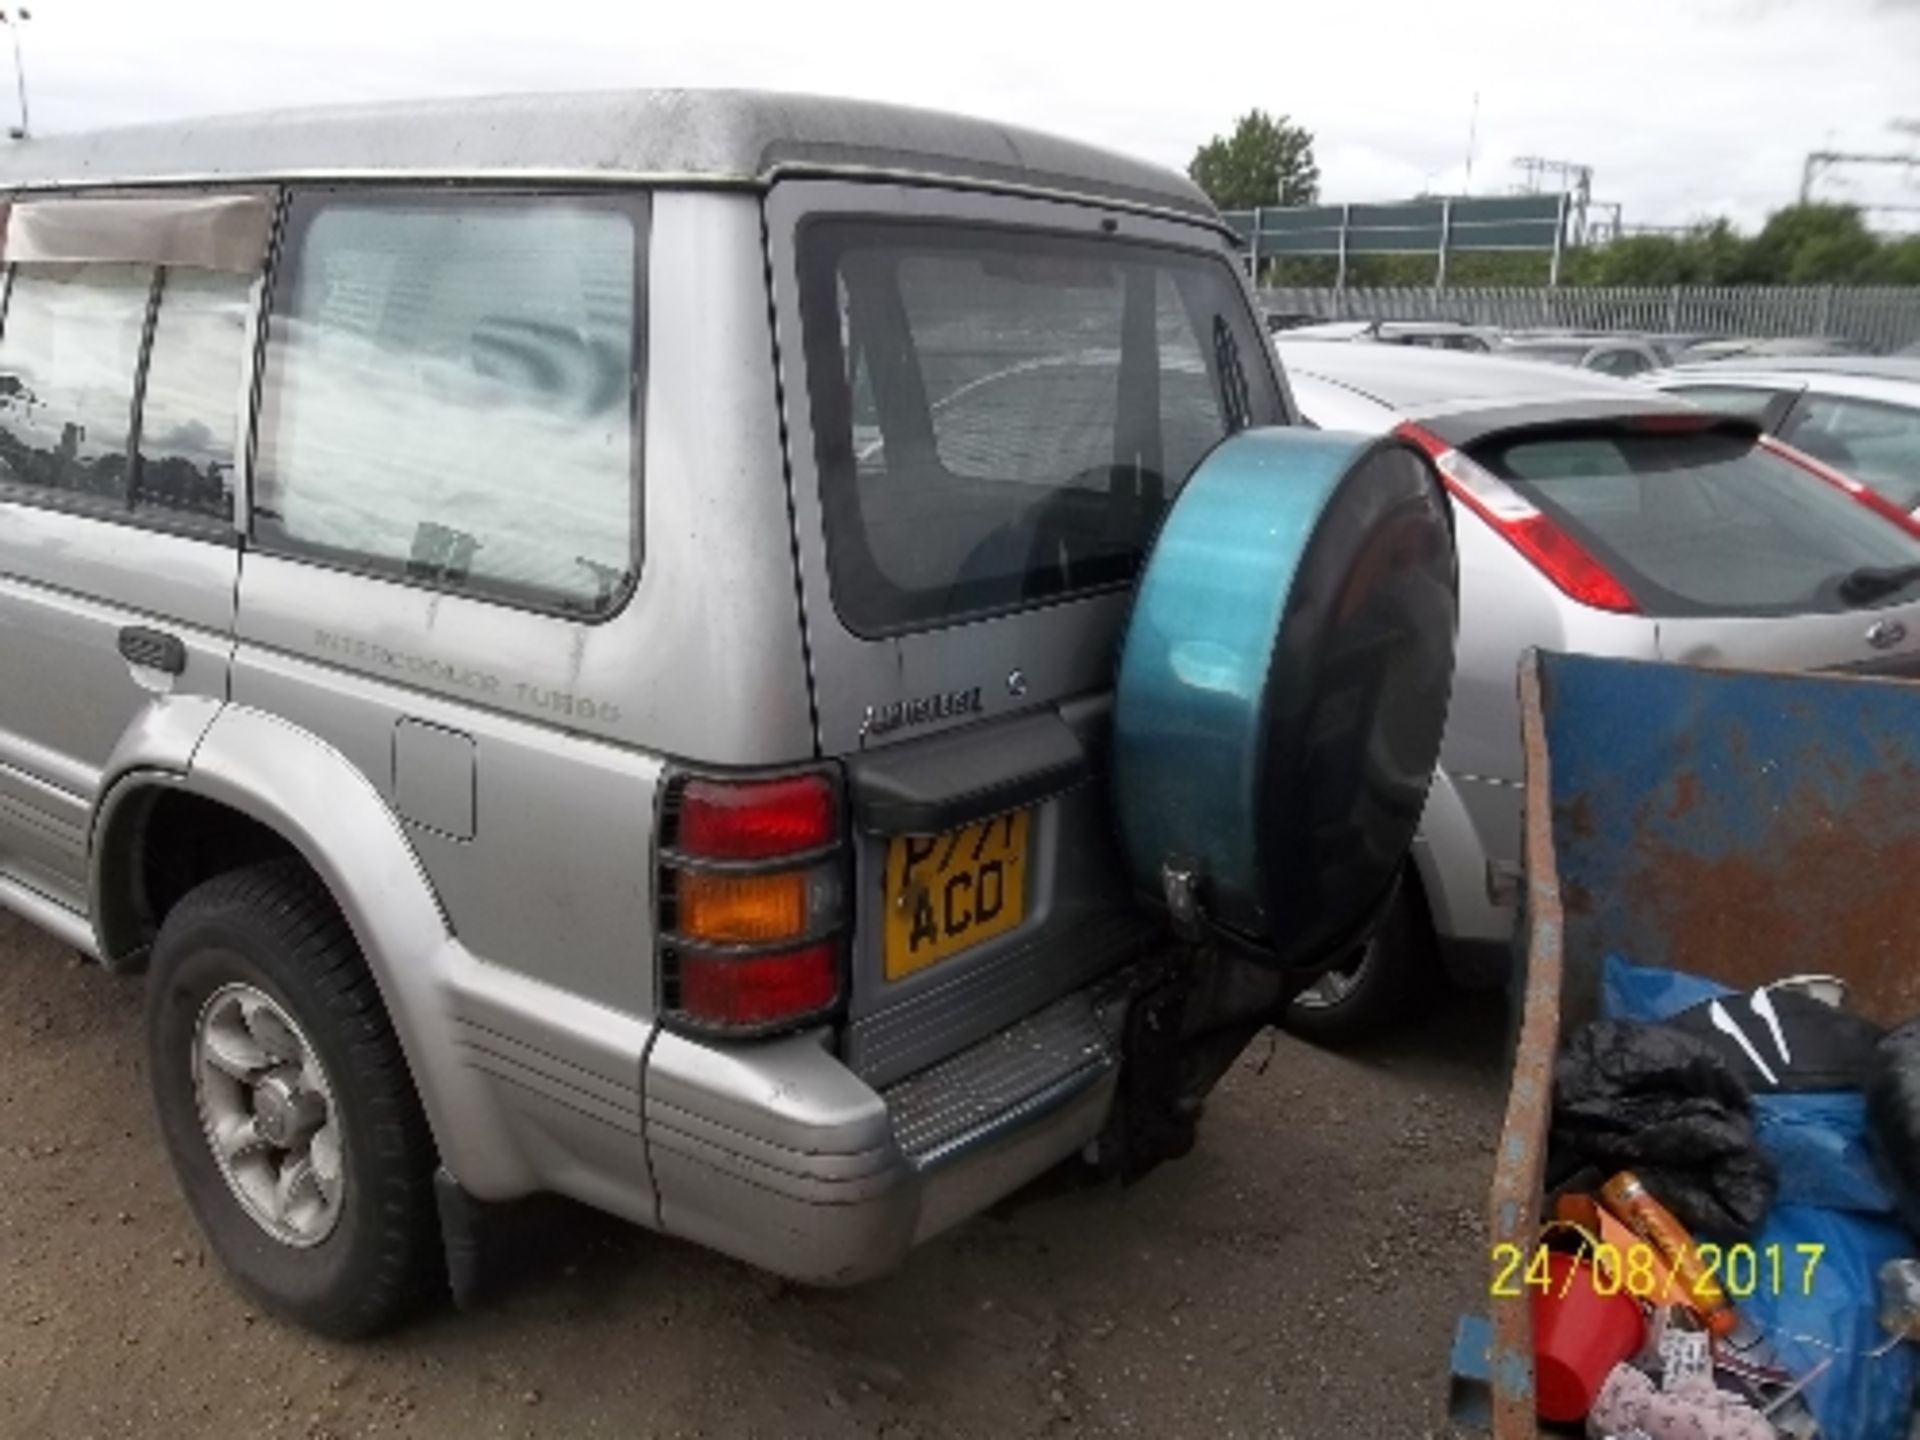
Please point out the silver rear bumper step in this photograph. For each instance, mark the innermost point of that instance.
(1003, 1084)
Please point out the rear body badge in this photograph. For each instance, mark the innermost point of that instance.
(1885, 634)
(891, 715)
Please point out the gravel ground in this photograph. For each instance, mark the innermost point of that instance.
(1297, 1277)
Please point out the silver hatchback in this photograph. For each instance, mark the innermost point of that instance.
(1598, 516)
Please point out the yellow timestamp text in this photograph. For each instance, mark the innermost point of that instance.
(1737, 1272)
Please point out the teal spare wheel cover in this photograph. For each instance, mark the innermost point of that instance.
(1283, 685)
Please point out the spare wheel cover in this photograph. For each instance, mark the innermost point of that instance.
(1284, 682)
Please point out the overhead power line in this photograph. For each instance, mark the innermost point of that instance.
(1818, 162)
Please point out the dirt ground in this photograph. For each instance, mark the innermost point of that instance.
(1296, 1278)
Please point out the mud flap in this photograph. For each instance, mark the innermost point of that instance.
(1189, 1017)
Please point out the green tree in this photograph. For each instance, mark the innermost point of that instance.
(1810, 245)
(1718, 253)
(1267, 160)
(1634, 260)
(1898, 263)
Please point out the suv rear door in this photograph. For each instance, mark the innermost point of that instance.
(989, 402)
(127, 325)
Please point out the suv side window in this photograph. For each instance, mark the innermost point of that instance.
(69, 356)
(83, 424)
(450, 393)
(190, 402)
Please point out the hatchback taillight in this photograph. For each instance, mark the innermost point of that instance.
(752, 902)
(1517, 520)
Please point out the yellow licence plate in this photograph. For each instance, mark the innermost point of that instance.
(947, 893)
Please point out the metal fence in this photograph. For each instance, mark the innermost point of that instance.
(1883, 317)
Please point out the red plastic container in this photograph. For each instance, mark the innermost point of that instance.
(1579, 1335)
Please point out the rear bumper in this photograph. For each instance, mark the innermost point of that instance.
(780, 1156)
(1470, 827)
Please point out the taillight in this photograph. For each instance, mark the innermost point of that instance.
(752, 902)
(1865, 494)
(755, 819)
(1551, 550)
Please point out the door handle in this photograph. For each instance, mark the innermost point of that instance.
(153, 649)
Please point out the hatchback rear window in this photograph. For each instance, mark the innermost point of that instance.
(1000, 418)
(1704, 523)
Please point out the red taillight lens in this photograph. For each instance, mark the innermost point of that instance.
(1865, 494)
(756, 819)
(1551, 550)
(1568, 564)
(761, 990)
(752, 902)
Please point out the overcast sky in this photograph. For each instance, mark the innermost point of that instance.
(1683, 107)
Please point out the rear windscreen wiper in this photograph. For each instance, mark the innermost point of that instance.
(1870, 582)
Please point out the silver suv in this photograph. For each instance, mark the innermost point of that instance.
(571, 637)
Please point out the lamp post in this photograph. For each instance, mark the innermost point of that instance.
(13, 17)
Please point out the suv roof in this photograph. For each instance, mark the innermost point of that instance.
(1418, 383)
(699, 136)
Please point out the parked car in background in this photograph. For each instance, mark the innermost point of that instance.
(1860, 414)
(1617, 355)
(1279, 320)
(1756, 347)
(1673, 346)
(1599, 516)
(1427, 334)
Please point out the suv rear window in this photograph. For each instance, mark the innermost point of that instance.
(1702, 523)
(1000, 418)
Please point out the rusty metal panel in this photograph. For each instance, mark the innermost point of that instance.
(1738, 825)
(1743, 826)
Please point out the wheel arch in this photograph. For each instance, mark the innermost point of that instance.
(268, 786)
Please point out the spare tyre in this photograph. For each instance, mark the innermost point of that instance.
(1283, 685)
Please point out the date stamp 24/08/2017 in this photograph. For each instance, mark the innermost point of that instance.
(1737, 1272)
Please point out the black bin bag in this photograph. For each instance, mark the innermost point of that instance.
(1663, 1104)
(1893, 1106)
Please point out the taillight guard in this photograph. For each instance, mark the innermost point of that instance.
(752, 902)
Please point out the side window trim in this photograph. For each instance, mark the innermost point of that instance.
(142, 365)
(294, 211)
(253, 372)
